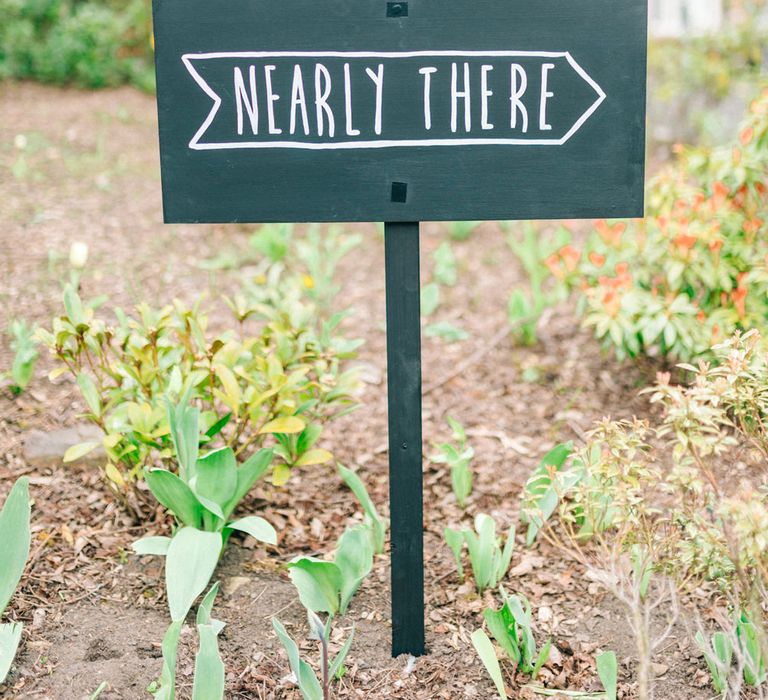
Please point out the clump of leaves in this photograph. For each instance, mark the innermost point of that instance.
(202, 497)
(536, 251)
(282, 380)
(25, 356)
(694, 271)
(512, 628)
(489, 561)
(458, 457)
(328, 586)
(310, 687)
(15, 536)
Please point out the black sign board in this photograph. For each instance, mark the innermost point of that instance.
(373, 110)
(368, 110)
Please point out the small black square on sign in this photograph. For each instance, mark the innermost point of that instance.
(399, 192)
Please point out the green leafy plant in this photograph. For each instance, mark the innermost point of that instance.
(279, 383)
(15, 536)
(94, 43)
(487, 653)
(373, 521)
(750, 649)
(512, 628)
(489, 561)
(202, 497)
(310, 687)
(328, 586)
(209, 678)
(536, 251)
(458, 457)
(25, 355)
(694, 271)
(718, 653)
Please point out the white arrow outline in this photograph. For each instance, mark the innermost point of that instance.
(196, 145)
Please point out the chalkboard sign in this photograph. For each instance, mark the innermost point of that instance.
(369, 110)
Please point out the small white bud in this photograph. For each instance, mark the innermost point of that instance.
(20, 141)
(78, 255)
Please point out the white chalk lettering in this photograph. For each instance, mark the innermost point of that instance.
(351, 131)
(298, 99)
(378, 81)
(271, 99)
(322, 92)
(427, 73)
(485, 93)
(463, 94)
(518, 73)
(545, 95)
(241, 98)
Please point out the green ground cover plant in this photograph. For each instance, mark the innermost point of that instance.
(25, 356)
(330, 669)
(457, 456)
(489, 561)
(15, 537)
(93, 43)
(274, 373)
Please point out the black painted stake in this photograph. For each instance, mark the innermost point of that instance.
(404, 401)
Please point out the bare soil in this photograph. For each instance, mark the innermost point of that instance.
(94, 613)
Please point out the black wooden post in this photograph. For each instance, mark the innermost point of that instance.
(405, 472)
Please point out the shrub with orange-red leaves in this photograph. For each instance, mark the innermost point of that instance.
(696, 269)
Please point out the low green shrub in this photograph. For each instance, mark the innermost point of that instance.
(279, 382)
(93, 43)
(696, 269)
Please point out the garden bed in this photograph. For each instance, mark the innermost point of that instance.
(96, 612)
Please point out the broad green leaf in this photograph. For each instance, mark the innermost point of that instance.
(506, 556)
(336, 669)
(231, 394)
(184, 423)
(502, 627)
(248, 474)
(455, 541)
(430, 298)
(357, 487)
(152, 545)
(608, 669)
(15, 538)
(167, 681)
(175, 495)
(255, 527)
(486, 652)
(189, 565)
(539, 495)
(281, 475)
(79, 451)
(318, 583)
(305, 676)
(209, 668)
(74, 307)
(542, 658)
(10, 636)
(90, 393)
(354, 557)
(482, 548)
(216, 476)
(284, 424)
(315, 456)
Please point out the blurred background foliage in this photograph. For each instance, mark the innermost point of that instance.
(89, 43)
